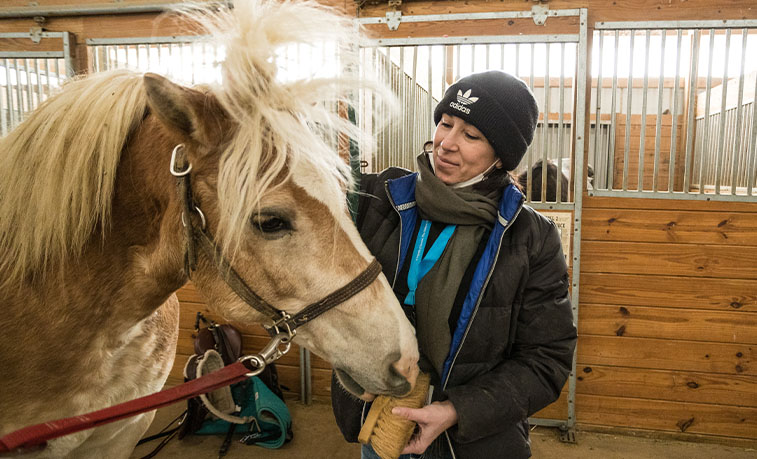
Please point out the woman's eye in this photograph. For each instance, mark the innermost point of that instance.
(271, 224)
(472, 136)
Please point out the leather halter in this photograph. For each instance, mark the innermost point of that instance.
(201, 237)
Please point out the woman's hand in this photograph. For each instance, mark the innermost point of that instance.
(432, 420)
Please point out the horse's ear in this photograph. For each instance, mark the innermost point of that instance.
(182, 109)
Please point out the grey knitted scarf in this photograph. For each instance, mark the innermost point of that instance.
(474, 214)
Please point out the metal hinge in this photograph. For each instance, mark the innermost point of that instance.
(394, 17)
(539, 14)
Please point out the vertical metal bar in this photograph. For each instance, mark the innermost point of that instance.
(674, 113)
(578, 154)
(430, 98)
(389, 127)
(598, 115)
(613, 117)
(693, 83)
(29, 102)
(39, 80)
(67, 57)
(530, 150)
(19, 93)
(643, 130)
(96, 58)
(401, 139)
(9, 95)
(740, 107)
(721, 131)
(752, 165)
(629, 101)
(658, 128)
(560, 124)
(107, 57)
(193, 61)
(545, 125)
(410, 149)
(708, 91)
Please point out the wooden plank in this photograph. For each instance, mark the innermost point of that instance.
(666, 204)
(669, 259)
(680, 386)
(726, 421)
(670, 226)
(557, 410)
(471, 28)
(599, 10)
(669, 291)
(666, 323)
(663, 354)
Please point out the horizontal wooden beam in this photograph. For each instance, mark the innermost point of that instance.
(676, 386)
(669, 291)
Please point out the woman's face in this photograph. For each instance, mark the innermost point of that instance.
(461, 152)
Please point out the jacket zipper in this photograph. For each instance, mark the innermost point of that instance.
(399, 245)
(473, 316)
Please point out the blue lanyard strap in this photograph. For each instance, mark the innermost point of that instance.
(420, 265)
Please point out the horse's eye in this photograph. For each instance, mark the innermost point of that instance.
(271, 224)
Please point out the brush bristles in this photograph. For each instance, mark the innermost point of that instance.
(388, 434)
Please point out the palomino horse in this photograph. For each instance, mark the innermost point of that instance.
(92, 245)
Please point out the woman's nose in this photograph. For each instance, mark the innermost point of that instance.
(449, 142)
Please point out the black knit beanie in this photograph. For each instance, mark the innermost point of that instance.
(500, 105)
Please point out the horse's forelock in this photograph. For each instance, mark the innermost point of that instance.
(280, 124)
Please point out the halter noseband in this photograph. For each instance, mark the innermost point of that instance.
(201, 237)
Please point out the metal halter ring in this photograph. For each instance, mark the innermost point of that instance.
(202, 218)
(284, 319)
(174, 172)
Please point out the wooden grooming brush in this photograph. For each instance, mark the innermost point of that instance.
(387, 433)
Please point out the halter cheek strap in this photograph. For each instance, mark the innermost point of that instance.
(201, 238)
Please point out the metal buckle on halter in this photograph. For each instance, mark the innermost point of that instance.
(283, 320)
(178, 149)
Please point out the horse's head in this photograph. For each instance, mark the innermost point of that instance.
(281, 220)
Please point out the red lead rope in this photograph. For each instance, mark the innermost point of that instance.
(35, 437)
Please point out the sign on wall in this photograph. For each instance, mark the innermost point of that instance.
(564, 222)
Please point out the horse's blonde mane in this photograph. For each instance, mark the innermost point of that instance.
(280, 123)
(58, 169)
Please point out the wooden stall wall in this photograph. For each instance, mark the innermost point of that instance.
(668, 316)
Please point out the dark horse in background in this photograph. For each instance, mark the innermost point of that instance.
(551, 191)
(535, 191)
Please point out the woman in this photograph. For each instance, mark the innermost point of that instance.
(481, 276)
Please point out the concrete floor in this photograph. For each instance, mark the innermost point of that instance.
(316, 436)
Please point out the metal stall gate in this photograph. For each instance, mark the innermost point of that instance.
(674, 110)
(419, 70)
(32, 66)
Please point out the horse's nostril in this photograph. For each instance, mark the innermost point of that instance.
(407, 368)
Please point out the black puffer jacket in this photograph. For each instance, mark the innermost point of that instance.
(516, 354)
